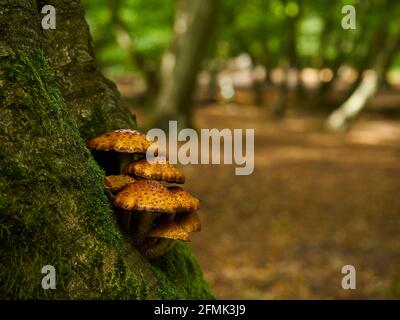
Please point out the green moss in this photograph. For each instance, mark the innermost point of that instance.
(53, 208)
(180, 267)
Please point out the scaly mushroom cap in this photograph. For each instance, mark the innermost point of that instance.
(125, 141)
(169, 230)
(148, 196)
(188, 221)
(186, 201)
(160, 170)
(116, 183)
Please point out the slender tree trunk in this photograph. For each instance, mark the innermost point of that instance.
(194, 24)
(53, 210)
(258, 88)
(342, 117)
(212, 88)
(324, 92)
(290, 61)
(376, 41)
(282, 93)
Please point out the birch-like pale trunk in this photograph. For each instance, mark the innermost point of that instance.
(194, 23)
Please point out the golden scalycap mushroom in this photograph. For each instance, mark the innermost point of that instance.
(116, 183)
(125, 141)
(146, 195)
(186, 201)
(160, 170)
(189, 221)
(169, 230)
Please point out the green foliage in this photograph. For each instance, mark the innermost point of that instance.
(259, 27)
(150, 26)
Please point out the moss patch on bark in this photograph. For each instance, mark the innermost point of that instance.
(53, 208)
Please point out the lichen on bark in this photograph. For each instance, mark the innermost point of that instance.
(53, 209)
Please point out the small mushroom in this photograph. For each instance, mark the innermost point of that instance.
(167, 233)
(117, 182)
(159, 220)
(160, 170)
(146, 197)
(186, 201)
(188, 221)
(126, 142)
(113, 184)
(154, 247)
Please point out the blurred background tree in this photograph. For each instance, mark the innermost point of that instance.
(295, 53)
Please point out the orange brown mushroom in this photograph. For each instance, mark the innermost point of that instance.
(189, 221)
(163, 236)
(145, 197)
(161, 170)
(125, 142)
(115, 183)
(165, 214)
(167, 233)
(186, 201)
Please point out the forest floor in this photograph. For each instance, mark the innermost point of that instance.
(314, 203)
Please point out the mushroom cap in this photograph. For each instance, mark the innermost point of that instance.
(147, 196)
(124, 140)
(169, 230)
(189, 221)
(186, 201)
(118, 182)
(160, 170)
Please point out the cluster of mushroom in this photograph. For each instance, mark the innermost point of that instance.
(149, 207)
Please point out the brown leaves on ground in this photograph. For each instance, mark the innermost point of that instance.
(314, 203)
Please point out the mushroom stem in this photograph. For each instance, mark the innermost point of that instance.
(125, 217)
(151, 242)
(144, 225)
(161, 248)
(147, 243)
(124, 159)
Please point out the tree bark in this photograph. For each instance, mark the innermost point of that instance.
(93, 101)
(53, 210)
(194, 23)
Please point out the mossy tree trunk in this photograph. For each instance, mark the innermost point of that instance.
(53, 210)
(92, 100)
